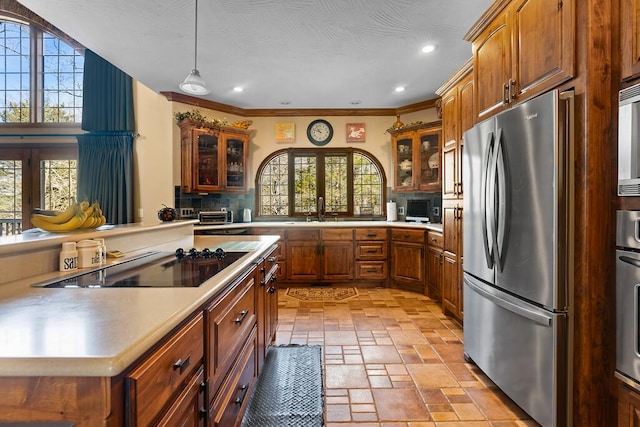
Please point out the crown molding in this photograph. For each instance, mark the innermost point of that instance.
(292, 112)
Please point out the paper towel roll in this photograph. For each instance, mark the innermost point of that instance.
(392, 211)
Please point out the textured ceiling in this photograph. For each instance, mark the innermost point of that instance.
(311, 53)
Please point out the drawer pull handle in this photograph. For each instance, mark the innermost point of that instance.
(371, 234)
(182, 364)
(243, 392)
(272, 259)
(371, 251)
(262, 282)
(406, 236)
(372, 271)
(243, 314)
(272, 290)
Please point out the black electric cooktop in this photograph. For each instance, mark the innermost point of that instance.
(155, 270)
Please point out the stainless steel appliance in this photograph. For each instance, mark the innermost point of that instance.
(629, 141)
(628, 297)
(517, 250)
(215, 217)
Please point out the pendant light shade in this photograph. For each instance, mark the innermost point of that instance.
(194, 84)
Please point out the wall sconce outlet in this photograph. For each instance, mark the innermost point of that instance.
(401, 210)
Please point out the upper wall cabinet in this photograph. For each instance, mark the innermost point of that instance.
(417, 157)
(521, 48)
(214, 158)
(630, 38)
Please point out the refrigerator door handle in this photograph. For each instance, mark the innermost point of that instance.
(629, 260)
(507, 305)
(485, 208)
(501, 201)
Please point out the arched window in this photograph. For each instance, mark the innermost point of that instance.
(40, 76)
(320, 182)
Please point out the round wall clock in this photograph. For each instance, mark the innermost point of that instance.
(319, 132)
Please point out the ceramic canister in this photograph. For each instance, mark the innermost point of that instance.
(89, 253)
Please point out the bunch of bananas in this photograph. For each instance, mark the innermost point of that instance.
(76, 216)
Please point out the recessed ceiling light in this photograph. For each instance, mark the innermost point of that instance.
(429, 48)
(400, 89)
(237, 89)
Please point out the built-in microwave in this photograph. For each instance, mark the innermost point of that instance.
(629, 141)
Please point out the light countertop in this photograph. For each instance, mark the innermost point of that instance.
(328, 223)
(101, 331)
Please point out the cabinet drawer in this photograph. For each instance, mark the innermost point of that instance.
(152, 385)
(186, 409)
(405, 235)
(234, 395)
(229, 324)
(337, 234)
(371, 234)
(303, 234)
(372, 270)
(371, 250)
(435, 239)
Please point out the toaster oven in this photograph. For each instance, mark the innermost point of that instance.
(215, 217)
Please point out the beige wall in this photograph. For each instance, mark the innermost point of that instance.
(378, 141)
(154, 157)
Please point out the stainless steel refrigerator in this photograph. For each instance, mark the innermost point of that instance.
(517, 253)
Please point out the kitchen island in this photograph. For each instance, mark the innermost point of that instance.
(85, 355)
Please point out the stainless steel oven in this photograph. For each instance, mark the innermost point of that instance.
(628, 297)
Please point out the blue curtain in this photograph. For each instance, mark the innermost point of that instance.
(105, 153)
(107, 98)
(105, 173)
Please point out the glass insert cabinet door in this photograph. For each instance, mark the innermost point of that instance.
(235, 167)
(208, 169)
(404, 167)
(429, 150)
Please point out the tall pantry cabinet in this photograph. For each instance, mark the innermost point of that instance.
(457, 116)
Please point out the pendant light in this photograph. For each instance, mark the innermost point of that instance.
(194, 84)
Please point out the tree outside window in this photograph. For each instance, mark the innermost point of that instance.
(350, 182)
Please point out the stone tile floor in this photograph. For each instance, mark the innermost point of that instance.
(393, 359)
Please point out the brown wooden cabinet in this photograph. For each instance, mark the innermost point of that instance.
(371, 254)
(457, 118)
(320, 255)
(433, 288)
(452, 262)
(267, 302)
(521, 48)
(407, 259)
(230, 320)
(416, 157)
(281, 250)
(214, 158)
(169, 371)
(188, 408)
(628, 406)
(630, 38)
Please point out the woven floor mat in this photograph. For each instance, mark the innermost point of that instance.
(289, 389)
(322, 293)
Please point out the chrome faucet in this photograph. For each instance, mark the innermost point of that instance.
(320, 208)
